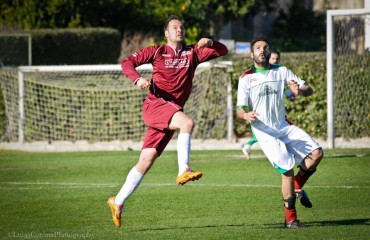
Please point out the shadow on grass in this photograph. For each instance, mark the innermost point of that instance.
(345, 222)
(192, 227)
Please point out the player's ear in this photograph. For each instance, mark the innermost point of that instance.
(166, 33)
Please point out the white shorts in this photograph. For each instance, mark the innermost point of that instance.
(285, 148)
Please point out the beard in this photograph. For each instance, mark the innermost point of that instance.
(261, 61)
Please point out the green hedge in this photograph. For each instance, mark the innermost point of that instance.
(63, 47)
(352, 93)
(14, 50)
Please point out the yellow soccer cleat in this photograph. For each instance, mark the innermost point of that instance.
(116, 211)
(187, 176)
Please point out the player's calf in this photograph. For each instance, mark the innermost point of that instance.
(291, 220)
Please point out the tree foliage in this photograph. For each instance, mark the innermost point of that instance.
(300, 30)
(201, 17)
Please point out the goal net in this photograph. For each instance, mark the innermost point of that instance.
(348, 66)
(98, 103)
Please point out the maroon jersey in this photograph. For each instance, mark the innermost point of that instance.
(172, 72)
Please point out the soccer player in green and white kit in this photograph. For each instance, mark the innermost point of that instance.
(246, 148)
(261, 90)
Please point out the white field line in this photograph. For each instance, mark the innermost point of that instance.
(50, 185)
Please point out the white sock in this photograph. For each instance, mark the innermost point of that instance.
(183, 151)
(133, 180)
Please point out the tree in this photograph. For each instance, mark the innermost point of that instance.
(33, 14)
(200, 17)
(300, 30)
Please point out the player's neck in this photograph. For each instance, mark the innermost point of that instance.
(262, 65)
(175, 46)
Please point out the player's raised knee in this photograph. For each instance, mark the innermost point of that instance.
(317, 154)
(188, 125)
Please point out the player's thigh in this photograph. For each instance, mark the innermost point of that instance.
(275, 150)
(158, 113)
(300, 143)
(158, 139)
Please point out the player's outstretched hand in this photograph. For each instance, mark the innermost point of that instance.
(205, 42)
(305, 90)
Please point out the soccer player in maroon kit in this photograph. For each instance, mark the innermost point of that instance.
(174, 66)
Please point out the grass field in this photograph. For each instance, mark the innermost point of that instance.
(63, 195)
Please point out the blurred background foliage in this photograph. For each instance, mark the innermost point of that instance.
(301, 29)
(114, 29)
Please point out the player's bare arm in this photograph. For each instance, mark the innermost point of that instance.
(248, 116)
(304, 90)
(205, 42)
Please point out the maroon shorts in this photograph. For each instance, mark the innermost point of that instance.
(157, 114)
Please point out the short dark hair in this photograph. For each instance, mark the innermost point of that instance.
(275, 51)
(259, 38)
(170, 18)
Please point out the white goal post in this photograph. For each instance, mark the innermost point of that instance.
(331, 42)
